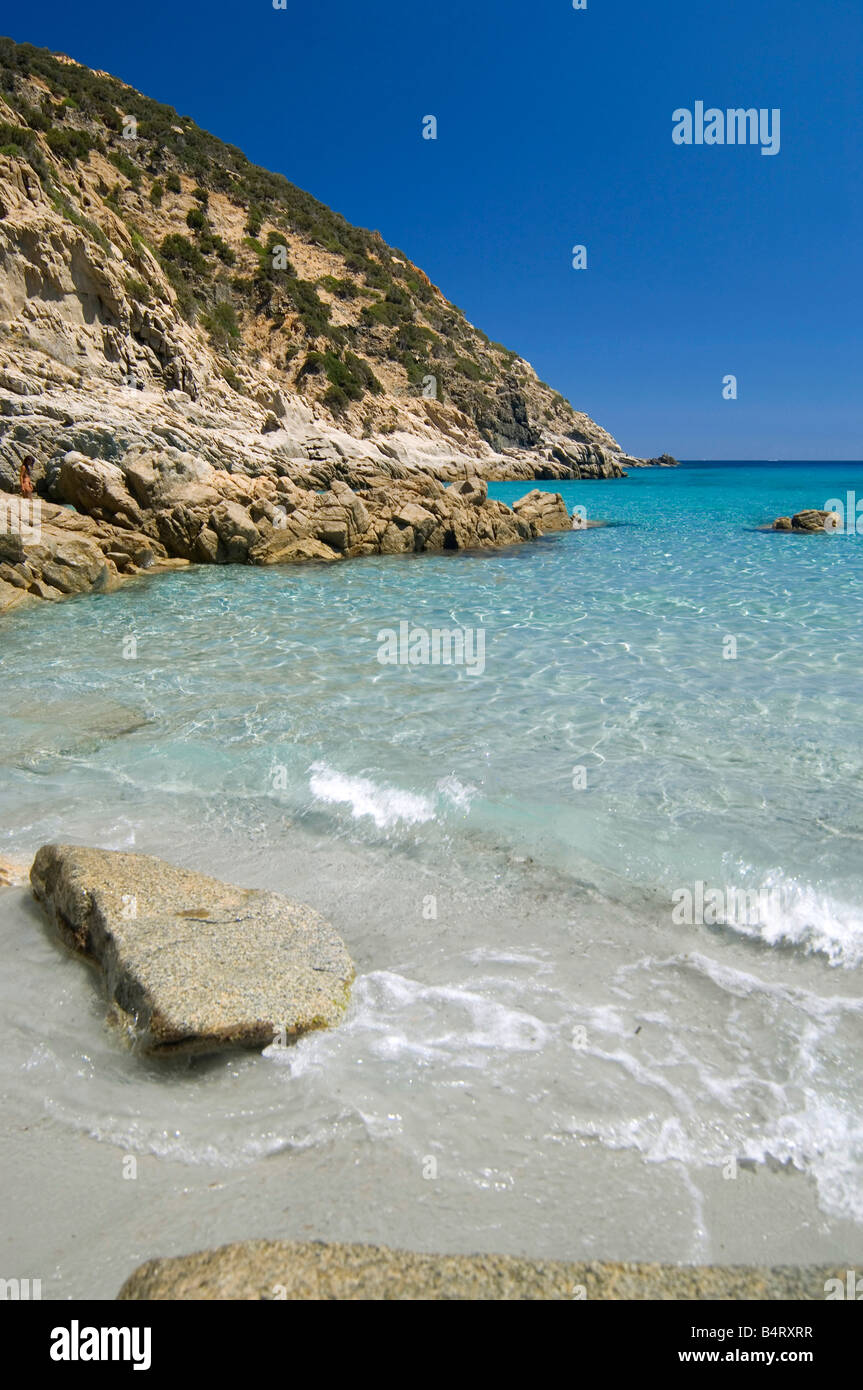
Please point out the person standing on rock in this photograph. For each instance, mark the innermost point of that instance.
(25, 476)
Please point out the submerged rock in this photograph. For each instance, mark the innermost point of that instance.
(275, 1269)
(192, 964)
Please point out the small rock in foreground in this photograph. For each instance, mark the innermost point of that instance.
(192, 964)
(276, 1269)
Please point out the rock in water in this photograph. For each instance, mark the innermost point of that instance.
(192, 964)
(812, 519)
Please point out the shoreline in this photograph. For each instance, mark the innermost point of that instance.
(69, 1192)
(327, 1165)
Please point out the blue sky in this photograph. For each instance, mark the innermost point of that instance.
(554, 129)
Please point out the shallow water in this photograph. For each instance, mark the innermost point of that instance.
(502, 853)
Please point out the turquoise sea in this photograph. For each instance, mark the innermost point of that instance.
(670, 700)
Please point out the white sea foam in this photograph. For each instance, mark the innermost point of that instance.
(458, 794)
(796, 914)
(744, 983)
(387, 806)
(399, 1018)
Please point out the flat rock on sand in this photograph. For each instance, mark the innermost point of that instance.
(273, 1269)
(190, 963)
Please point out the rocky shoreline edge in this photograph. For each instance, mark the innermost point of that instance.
(170, 510)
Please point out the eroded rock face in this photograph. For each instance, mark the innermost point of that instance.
(272, 1269)
(192, 964)
(97, 489)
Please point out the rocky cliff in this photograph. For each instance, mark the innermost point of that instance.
(192, 349)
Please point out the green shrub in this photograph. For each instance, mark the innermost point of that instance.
(414, 337)
(157, 193)
(349, 377)
(342, 289)
(16, 140)
(122, 162)
(313, 312)
(36, 119)
(336, 399)
(173, 184)
(420, 289)
(69, 144)
(266, 268)
(221, 324)
(195, 219)
(386, 311)
(176, 250)
(472, 370)
(136, 289)
(255, 220)
(230, 376)
(224, 252)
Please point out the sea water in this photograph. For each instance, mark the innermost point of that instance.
(552, 1047)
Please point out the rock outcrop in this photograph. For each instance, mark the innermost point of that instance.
(159, 508)
(191, 964)
(544, 510)
(263, 1270)
(663, 461)
(53, 552)
(809, 520)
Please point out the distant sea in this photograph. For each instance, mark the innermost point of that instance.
(673, 699)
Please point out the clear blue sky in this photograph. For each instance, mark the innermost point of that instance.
(555, 129)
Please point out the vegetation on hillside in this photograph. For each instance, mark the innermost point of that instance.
(233, 229)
